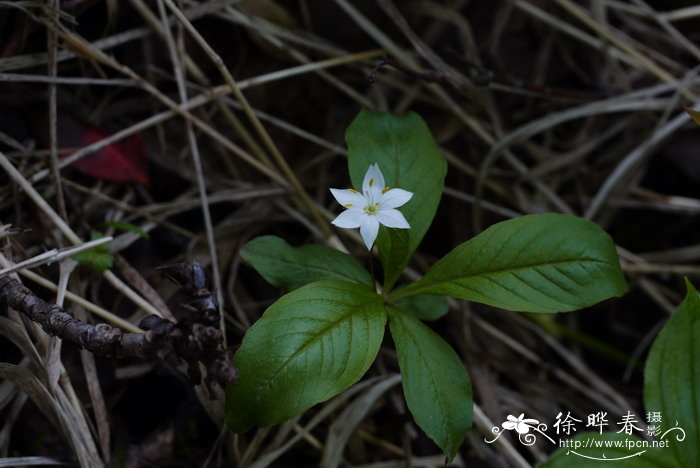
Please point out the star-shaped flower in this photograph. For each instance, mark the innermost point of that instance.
(374, 206)
(521, 424)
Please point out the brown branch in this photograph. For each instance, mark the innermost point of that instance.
(195, 339)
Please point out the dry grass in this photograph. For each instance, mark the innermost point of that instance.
(242, 105)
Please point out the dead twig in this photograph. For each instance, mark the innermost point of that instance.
(194, 340)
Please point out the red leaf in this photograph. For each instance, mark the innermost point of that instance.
(123, 162)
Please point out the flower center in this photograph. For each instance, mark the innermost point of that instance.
(372, 209)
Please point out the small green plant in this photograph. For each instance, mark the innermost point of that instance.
(97, 257)
(126, 227)
(321, 337)
(671, 392)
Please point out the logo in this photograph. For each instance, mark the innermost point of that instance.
(631, 435)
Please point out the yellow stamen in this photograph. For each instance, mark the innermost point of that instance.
(353, 190)
(348, 205)
(371, 182)
(385, 189)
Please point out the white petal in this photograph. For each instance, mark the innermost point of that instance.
(394, 198)
(349, 219)
(349, 198)
(392, 219)
(374, 181)
(369, 230)
(522, 428)
(508, 425)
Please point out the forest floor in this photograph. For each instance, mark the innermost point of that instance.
(117, 117)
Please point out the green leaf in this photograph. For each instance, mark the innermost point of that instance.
(394, 253)
(290, 267)
(435, 383)
(424, 307)
(97, 257)
(310, 345)
(608, 448)
(102, 262)
(672, 378)
(409, 158)
(535, 263)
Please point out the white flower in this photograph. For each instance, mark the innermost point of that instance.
(374, 206)
(520, 424)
